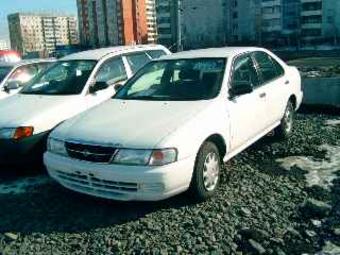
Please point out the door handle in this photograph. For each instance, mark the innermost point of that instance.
(263, 95)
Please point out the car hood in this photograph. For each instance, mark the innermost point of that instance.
(41, 112)
(129, 124)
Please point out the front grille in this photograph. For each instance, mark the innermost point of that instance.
(93, 183)
(92, 153)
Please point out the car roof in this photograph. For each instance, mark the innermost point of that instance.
(27, 62)
(224, 52)
(97, 54)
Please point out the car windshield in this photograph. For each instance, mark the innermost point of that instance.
(4, 71)
(176, 80)
(62, 78)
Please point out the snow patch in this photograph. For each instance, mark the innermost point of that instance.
(332, 122)
(23, 185)
(321, 173)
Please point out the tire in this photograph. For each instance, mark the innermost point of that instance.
(206, 175)
(285, 130)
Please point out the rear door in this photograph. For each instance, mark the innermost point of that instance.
(272, 86)
(245, 111)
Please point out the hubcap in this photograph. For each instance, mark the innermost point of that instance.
(289, 120)
(211, 171)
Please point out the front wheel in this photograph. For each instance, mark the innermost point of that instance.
(206, 176)
(285, 130)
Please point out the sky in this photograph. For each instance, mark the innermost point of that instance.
(11, 6)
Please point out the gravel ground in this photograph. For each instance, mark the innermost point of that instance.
(261, 208)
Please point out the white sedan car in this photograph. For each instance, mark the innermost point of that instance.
(172, 125)
(71, 86)
(13, 76)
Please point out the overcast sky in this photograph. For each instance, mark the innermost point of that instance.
(11, 6)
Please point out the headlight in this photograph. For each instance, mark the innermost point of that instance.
(145, 157)
(56, 146)
(16, 133)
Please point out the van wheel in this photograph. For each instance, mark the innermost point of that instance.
(206, 176)
(285, 130)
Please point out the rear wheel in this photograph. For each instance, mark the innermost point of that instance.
(206, 176)
(285, 130)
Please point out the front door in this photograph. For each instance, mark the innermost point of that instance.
(246, 111)
(111, 72)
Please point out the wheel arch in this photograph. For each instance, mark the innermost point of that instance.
(219, 141)
(293, 100)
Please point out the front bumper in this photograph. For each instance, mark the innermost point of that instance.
(26, 150)
(120, 182)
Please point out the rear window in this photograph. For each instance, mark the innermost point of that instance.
(155, 54)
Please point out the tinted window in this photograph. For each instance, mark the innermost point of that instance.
(244, 72)
(112, 71)
(155, 54)
(279, 69)
(4, 71)
(176, 80)
(63, 78)
(137, 60)
(265, 66)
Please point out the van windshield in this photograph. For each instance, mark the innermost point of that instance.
(176, 80)
(62, 78)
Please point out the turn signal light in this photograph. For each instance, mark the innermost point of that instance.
(23, 132)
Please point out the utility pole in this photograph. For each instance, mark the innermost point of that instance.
(179, 26)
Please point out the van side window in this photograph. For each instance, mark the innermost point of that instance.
(155, 54)
(265, 66)
(137, 60)
(244, 72)
(112, 71)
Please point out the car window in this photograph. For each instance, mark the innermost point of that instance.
(4, 71)
(63, 78)
(137, 60)
(155, 54)
(112, 71)
(279, 69)
(176, 80)
(265, 66)
(244, 72)
(23, 74)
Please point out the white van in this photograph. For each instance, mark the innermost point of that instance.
(72, 85)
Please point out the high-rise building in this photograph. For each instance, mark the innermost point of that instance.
(167, 22)
(151, 20)
(32, 32)
(116, 22)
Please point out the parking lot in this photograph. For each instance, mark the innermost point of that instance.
(271, 201)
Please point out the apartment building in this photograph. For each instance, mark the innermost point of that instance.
(151, 20)
(41, 33)
(320, 21)
(283, 22)
(167, 12)
(116, 22)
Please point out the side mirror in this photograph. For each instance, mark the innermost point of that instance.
(118, 86)
(99, 85)
(241, 88)
(12, 85)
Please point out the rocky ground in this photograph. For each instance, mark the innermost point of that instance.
(275, 198)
